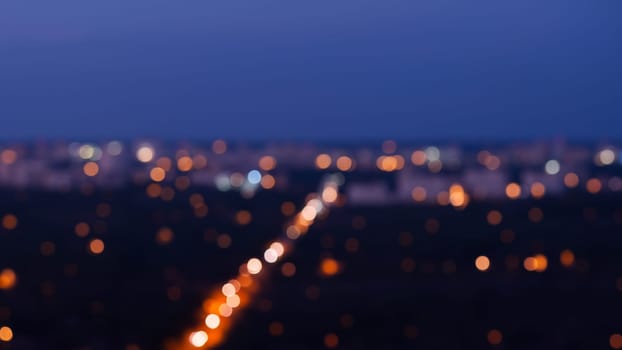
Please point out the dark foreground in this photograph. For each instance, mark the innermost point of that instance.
(407, 276)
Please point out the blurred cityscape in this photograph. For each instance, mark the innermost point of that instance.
(383, 174)
(182, 245)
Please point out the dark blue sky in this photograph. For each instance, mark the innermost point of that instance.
(353, 69)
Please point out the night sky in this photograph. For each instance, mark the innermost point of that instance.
(316, 70)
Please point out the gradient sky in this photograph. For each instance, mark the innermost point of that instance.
(340, 69)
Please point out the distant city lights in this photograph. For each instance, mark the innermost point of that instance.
(145, 153)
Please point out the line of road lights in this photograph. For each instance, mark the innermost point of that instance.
(237, 293)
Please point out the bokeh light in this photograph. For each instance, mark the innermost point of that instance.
(482, 263)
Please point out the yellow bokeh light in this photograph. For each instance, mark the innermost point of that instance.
(329, 194)
(228, 289)
(198, 339)
(459, 199)
(145, 154)
(386, 163)
(308, 213)
(606, 157)
(270, 255)
(86, 151)
(278, 248)
(457, 196)
(225, 310)
(212, 321)
(233, 301)
(254, 266)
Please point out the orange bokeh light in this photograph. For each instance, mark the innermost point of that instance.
(267, 163)
(90, 169)
(329, 267)
(323, 161)
(8, 279)
(96, 246)
(482, 263)
(513, 190)
(9, 221)
(157, 174)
